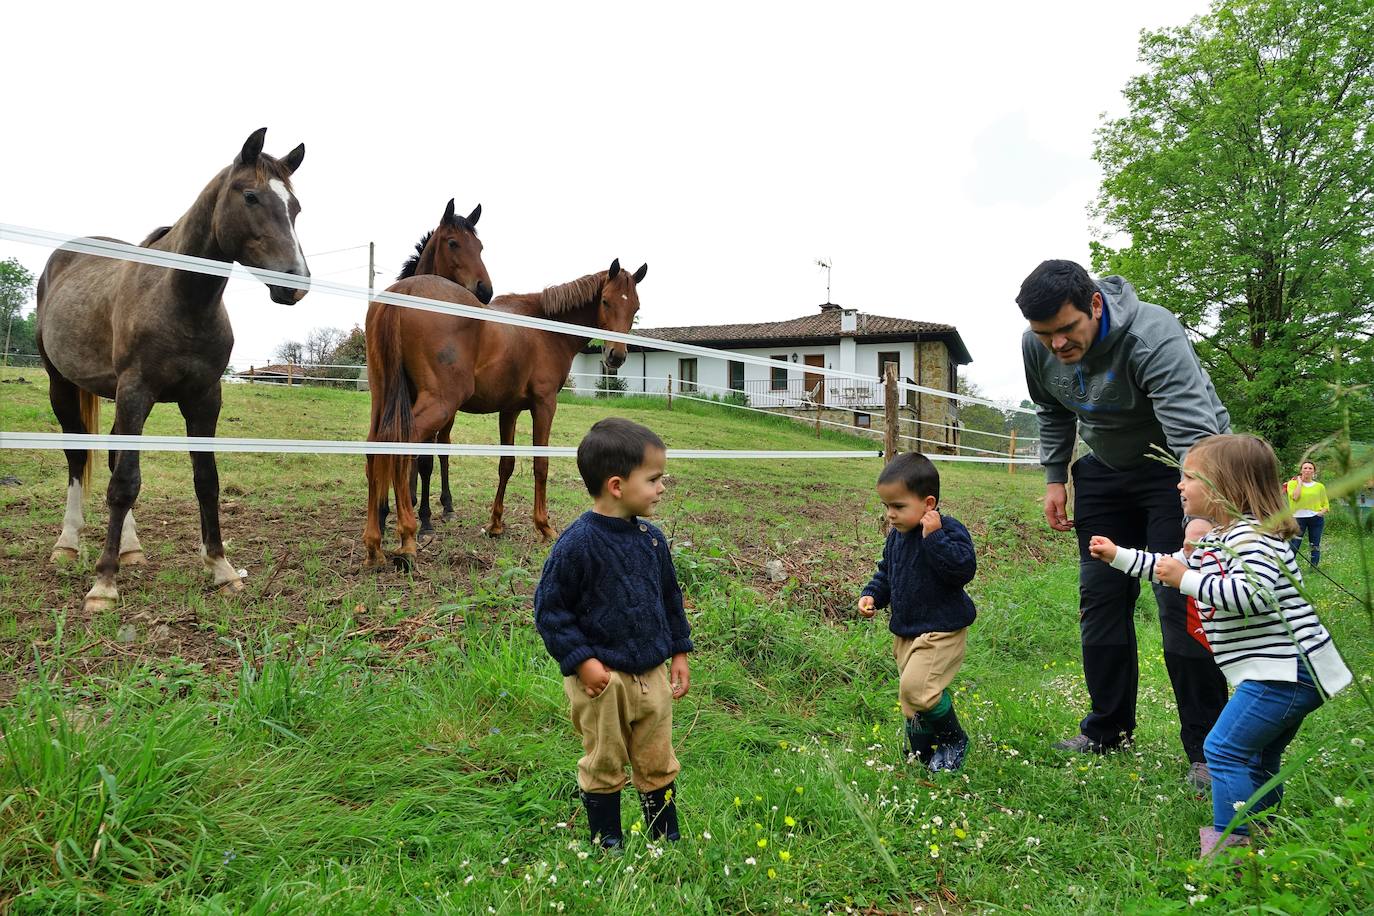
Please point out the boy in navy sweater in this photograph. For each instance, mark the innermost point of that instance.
(927, 561)
(610, 611)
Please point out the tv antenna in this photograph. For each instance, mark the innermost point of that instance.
(825, 262)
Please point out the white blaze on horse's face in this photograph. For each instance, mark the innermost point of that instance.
(276, 184)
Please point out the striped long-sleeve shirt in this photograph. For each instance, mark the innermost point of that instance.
(1256, 619)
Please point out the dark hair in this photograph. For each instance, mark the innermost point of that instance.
(914, 471)
(1050, 285)
(613, 447)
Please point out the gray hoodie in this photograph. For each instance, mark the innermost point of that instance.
(1139, 386)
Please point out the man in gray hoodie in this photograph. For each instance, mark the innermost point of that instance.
(1121, 373)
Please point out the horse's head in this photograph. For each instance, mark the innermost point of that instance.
(255, 214)
(458, 252)
(616, 312)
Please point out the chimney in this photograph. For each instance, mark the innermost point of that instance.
(849, 320)
(828, 306)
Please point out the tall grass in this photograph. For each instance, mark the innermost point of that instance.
(325, 773)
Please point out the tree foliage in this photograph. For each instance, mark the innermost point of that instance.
(16, 290)
(1242, 176)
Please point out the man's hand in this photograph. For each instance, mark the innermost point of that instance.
(1056, 507)
(679, 676)
(866, 606)
(1102, 548)
(594, 677)
(1170, 571)
(930, 522)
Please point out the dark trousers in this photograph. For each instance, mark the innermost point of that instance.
(1310, 525)
(1138, 508)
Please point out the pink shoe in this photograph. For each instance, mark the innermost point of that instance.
(1208, 838)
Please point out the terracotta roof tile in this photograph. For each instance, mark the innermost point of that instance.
(824, 324)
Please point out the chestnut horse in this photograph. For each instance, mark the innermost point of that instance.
(145, 335)
(424, 367)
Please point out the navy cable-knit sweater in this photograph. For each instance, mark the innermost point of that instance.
(923, 579)
(609, 592)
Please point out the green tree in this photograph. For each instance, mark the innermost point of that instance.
(1242, 176)
(16, 289)
(979, 418)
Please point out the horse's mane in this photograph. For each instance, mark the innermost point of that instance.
(412, 262)
(153, 236)
(408, 268)
(565, 297)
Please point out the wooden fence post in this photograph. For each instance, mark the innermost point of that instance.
(816, 397)
(1011, 453)
(889, 412)
(670, 391)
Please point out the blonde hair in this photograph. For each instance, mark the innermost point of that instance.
(1243, 474)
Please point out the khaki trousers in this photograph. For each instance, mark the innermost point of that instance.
(927, 664)
(630, 722)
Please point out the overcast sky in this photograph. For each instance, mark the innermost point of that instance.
(935, 155)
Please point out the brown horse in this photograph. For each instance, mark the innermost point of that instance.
(424, 367)
(452, 251)
(144, 335)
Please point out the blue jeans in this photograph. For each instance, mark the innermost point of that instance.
(1310, 525)
(1245, 746)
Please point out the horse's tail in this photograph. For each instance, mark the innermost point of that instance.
(392, 420)
(90, 418)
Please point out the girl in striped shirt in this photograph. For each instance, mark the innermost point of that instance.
(1265, 636)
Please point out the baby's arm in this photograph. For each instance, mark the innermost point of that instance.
(1142, 564)
(878, 591)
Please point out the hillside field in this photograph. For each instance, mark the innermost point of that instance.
(341, 741)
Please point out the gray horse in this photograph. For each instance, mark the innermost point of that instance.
(144, 335)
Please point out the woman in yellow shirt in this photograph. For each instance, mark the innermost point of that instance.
(1307, 499)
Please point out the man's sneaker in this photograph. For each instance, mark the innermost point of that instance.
(1082, 744)
(1199, 777)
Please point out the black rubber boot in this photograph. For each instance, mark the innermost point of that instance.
(951, 742)
(922, 741)
(660, 813)
(603, 818)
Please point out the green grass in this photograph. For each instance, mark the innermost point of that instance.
(343, 742)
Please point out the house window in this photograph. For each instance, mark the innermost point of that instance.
(687, 373)
(736, 375)
(777, 376)
(890, 357)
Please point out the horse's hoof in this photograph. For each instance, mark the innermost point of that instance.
(547, 534)
(98, 605)
(132, 558)
(425, 529)
(63, 555)
(448, 515)
(405, 562)
(494, 531)
(232, 587)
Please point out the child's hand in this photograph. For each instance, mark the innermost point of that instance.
(866, 606)
(1170, 571)
(930, 522)
(594, 676)
(1102, 548)
(679, 676)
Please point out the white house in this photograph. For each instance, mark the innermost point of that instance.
(835, 337)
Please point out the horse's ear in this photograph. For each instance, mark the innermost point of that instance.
(639, 274)
(294, 159)
(475, 215)
(615, 269)
(448, 213)
(252, 147)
